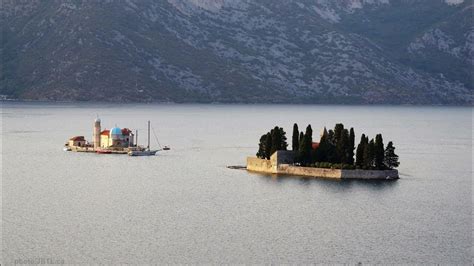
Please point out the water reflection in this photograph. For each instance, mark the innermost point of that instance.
(330, 183)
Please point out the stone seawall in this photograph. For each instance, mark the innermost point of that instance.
(260, 165)
(309, 171)
(274, 166)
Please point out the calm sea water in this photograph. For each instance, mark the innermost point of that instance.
(185, 206)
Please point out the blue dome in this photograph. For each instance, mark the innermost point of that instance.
(115, 131)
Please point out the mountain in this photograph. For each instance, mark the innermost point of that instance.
(255, 51)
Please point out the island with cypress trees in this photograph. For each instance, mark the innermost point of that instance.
(331, 157)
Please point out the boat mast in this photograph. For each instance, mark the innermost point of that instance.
(148, 146)
(136, 138)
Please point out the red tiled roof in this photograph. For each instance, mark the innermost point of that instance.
(126, 131)
(315, 145)
(77, 138)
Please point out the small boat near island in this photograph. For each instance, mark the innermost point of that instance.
(103, 151)
(144, 152)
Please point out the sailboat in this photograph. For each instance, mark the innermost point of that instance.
(144, 152)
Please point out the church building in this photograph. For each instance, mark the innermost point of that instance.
(113, 138)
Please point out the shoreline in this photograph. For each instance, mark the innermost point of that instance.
(281, 167)
(148, 103)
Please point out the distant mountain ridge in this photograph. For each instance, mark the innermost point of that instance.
(243, 51)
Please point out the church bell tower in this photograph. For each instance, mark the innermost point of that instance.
(97, 133)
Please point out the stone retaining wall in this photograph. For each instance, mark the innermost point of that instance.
(275, 166)
(309, 171)
(260, 165)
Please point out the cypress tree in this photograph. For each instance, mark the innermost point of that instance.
(342, 146)
(338, 133)
(360, 152)
(369, 154)
(379, 152)
(298, 156)
(309, 141)
(351, 147)
(309, 134)
(261, 147)
(323, 134)
(320, 154)
(284, 144)
(372, 152)
(366, 156)
(330, 137)
(268, 146)
(276, 140)
(306, 146)
(295, 140)
(391, 158)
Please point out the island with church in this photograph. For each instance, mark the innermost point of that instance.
(114, 141)
(331, 157)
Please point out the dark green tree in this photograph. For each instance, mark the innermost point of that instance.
(338, 133)
(268, 146)
(379, 152)
(298, 154)
(278, 139)
(330, 137)
(319, 154)
(391, 158)
(360, 152)
(324, 132)
(351, 147)
(342, 146)
(271, 142)
(326, 151)
(295, 144)
(262, 147)
(284, 143)
(304, 152)
(369, 154)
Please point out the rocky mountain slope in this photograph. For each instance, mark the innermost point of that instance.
(278, 51)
